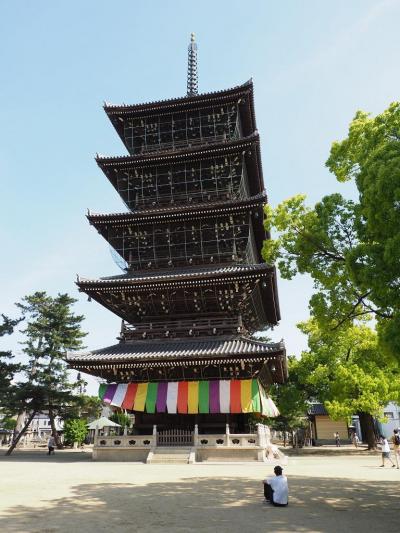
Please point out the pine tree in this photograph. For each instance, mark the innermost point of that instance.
(8, 368)
(51, 330)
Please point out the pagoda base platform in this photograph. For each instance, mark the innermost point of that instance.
(189, 447)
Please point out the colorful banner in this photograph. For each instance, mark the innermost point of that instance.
(204, 397)
(172, 397)
(130, 396)
(119, 394)
(192, 397)
(224, 396)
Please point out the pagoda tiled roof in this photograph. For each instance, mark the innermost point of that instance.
(178, 349)
(184, 153)
(180, 275)
(177, 212)
(180, 101)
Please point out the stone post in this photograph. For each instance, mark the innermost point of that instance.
(260, 436)
(227, 433)
(196, 434)
(154, 435)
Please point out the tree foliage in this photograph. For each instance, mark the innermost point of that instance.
(350, 249)
(75, 430)
(291, 397)
(51, 329)
(121, 418)
(346, 370)
(88, 407)
(8, 368)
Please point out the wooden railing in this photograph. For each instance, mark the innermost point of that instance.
(175, 437)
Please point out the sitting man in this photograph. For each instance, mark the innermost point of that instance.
(276, 488)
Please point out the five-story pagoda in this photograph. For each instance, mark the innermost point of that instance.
(195, 288)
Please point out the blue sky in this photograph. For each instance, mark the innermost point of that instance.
(314, 63)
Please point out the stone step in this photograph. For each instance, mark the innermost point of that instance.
(170, 451)
(169, 455)
(160, 460)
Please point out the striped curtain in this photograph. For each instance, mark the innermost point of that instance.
(191, 397)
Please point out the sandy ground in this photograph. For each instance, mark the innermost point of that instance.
(68, 492)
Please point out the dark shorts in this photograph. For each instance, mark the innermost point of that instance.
(386, 455)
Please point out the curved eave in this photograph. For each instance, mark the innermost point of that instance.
(175, 213)
(173, 349)
(249, 145)
(177, 156)
(183, 277)
(181, 102)
(118, 113)
(188, 279)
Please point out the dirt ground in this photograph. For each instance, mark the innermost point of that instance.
(70, 493)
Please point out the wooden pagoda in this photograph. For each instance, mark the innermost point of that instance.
(195, 288)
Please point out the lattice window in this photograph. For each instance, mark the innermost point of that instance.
(178, 130)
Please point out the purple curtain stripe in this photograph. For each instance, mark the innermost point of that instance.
(214, 397)
(161, 403)
(109, 395)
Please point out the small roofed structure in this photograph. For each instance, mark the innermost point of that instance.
(324, 427)
(102, 423)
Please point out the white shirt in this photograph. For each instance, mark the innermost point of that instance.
(279, 485)
(51, 442)
(385, 446)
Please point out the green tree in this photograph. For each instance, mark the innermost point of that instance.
(346, 370)
(291, 398)
(8, 423)
(8, 368)
(75, 430)
(51, 330)
(370, 155)
(121, 418)
(88, 407)
(350, 249)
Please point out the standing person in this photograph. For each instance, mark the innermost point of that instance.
(51, 444)
(356, 440)
(396, 445)
(276, 488)
(385, 451)
(337, 439)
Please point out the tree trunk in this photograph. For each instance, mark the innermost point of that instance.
(20, 434)
(54, 430)
(368, 430)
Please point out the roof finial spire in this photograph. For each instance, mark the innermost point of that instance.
(192, 78)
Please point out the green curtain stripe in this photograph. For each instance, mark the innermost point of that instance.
(102, 390)
(151, 397)
(204, 396)
(255, 396)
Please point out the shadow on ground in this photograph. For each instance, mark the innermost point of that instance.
(41, 455)
(212, 505)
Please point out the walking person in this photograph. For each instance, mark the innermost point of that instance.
(337, 439)
(396, 446)
(51, 445)
(356, 440)
(276, 488)
(385, 451)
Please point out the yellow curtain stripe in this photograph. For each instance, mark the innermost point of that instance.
(140, 398)
(245, 396)
(193, 397)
